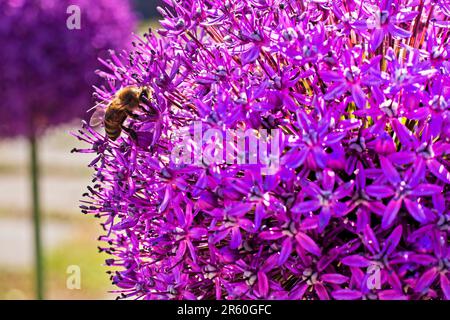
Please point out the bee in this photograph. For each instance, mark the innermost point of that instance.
(124, 103)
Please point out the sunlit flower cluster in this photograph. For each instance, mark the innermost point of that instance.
(358, 207)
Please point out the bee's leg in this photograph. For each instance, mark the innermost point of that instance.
(130, 131)
(145, 99)
(132, 115)
(145, 94)
(149, 108)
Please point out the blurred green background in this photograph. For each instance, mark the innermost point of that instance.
(69, 237)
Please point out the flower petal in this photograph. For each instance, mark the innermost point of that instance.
(198, 232)
(321, 291)
(404, 16)
(370, 240)
(358, 96)
(236, 238)
(391, 213)
(380, 191)
(445, 286)
(389, 171)
(295, 157)
(393, 240)
(328, 179)
(415, 209)
(376, 39)
(398, 32)
(271, 235)
(324, 217)
(329, 76)
(404, 135)
(356, 261)
(263, 284)
(439, 170)
(286, 249)
(307, 243)
(426, 189)
(306, 206)
(346, 294)
(426, 280)
(298, 292)
(335, 278)
(250, 55)
(391, 295)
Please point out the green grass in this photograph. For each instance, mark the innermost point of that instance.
(80, 251)
(94, 281)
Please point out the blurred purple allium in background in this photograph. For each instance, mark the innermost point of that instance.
(46, 69)
(358, 207)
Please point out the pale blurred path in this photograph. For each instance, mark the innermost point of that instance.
(59, 194)
(69, 236)
(16, 238)
(64, 175)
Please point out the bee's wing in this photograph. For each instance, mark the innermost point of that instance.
(102, 102)
(97, 117)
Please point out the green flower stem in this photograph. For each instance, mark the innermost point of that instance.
(34, 171)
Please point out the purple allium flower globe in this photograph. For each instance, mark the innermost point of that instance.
(354, 95)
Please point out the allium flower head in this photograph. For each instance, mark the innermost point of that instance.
(47, 69)
(356, 204)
